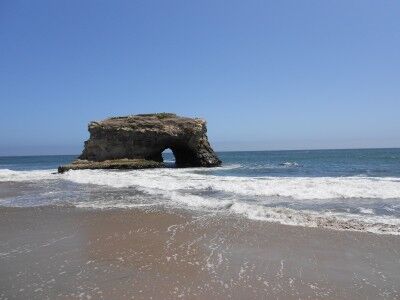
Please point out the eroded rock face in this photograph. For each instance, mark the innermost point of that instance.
(147, 136)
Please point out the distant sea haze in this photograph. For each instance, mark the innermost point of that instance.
(338, 189)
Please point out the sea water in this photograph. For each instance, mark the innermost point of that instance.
(337, 189)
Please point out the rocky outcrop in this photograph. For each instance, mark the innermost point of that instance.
(135, 142)
(125, 163)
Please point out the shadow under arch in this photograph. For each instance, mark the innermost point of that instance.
(182, 155)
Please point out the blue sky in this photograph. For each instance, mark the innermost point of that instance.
(265, 74)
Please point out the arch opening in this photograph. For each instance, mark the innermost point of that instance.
(168, 158)
(184, 156)
(176, 155)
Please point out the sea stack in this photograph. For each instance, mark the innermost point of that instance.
(137, 142)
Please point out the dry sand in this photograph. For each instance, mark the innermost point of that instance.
(70, 253)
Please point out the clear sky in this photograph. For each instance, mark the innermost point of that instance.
(265, 74)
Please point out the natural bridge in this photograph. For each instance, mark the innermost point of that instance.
(137, 142)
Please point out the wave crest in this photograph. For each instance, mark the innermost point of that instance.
(307, 188)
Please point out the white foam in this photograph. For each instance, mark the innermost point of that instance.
(338, 221)
(7, 175)
(293, 187)
(194, 201)
(247, 196)
(364, 210)
(112, 205)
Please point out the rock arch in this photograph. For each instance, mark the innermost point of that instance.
(144, 137)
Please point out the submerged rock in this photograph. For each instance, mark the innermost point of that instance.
(137, 142)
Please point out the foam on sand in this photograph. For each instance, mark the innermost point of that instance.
(230, 195)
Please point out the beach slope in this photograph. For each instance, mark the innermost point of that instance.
(70, 253)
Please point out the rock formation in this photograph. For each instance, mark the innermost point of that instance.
(137, 142)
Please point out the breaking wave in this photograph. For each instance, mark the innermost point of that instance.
(305, 201)
(7, 175)
(306, 188)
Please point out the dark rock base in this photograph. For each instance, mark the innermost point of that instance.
(111, 164)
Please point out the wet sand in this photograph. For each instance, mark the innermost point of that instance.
(71, 253)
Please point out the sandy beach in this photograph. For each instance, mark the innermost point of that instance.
(71, 253)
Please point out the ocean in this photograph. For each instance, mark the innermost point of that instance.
(336, 189)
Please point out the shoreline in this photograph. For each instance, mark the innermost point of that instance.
(75, 253)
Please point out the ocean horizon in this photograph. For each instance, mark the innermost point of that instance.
(222, 151)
